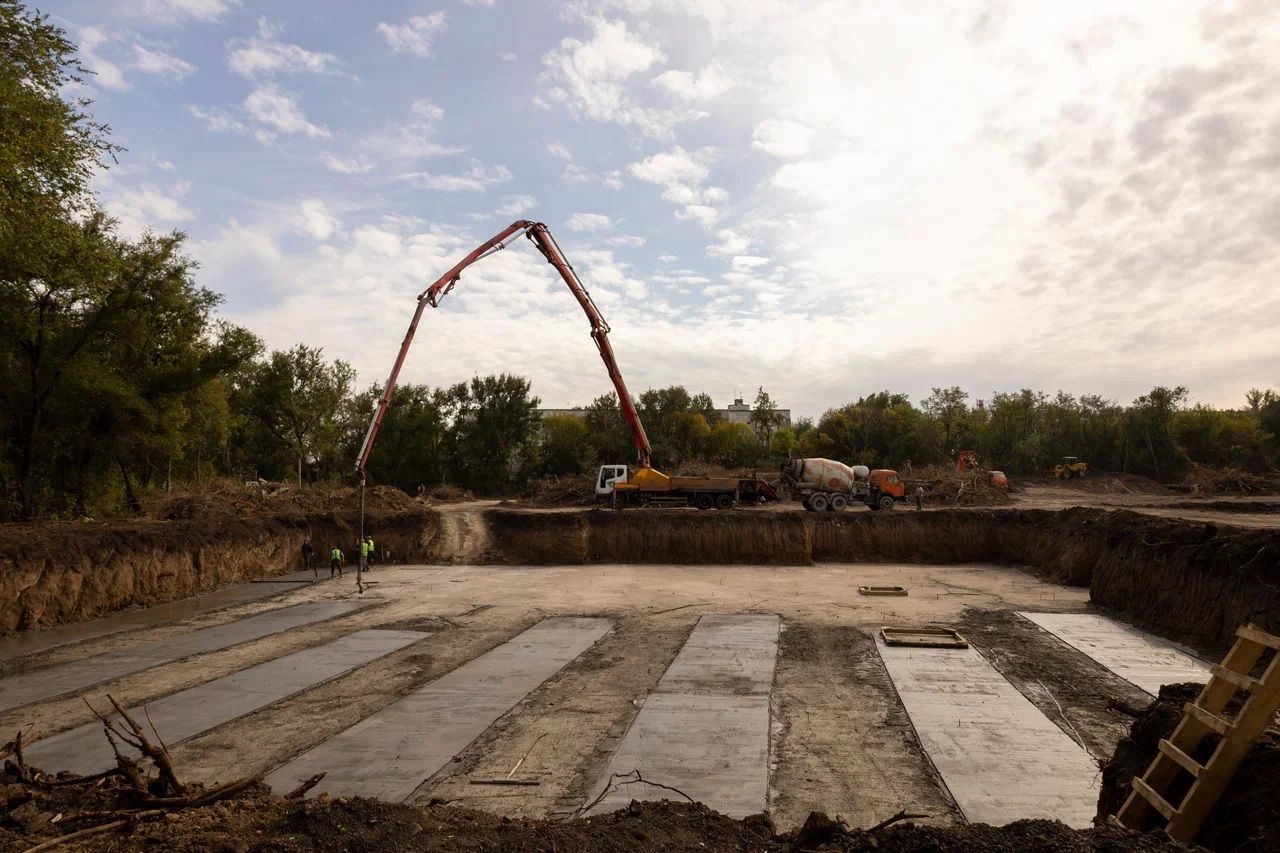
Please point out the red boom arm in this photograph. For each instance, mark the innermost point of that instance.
(541, 237)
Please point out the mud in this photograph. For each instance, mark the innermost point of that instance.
(257, 821)
(53, 573)
(1248, 815)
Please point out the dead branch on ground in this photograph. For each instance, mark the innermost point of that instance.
(301, 791)
(889, 821)
(628, 779)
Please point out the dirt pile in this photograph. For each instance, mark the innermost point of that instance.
(1229, 481)
(949, 487)
(1107, 483)
(225, 499)
(567, 490)
(259, 821)
(1248, 815)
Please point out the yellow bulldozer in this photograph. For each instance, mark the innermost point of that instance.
(1069, 468)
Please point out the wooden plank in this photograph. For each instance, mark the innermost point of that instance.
(1208, 719)
(1257, 635)
(1157, 802)
(1236, 679)
(1186, 762)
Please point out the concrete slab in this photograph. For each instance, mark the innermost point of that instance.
(53, 681)
(34, 642)
(391, 753)
(726, 654)
(1144, 660)
(705, 728)
(198, 709)
(1000, 758)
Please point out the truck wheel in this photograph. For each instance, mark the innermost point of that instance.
(818, 503)
(885, 502)
(838, 503)
(804, 502)
(703, 501)
(724, 501)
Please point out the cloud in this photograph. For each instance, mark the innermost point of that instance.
(173, 11)
(316, 220)
(710, 82)
(410, 140)
(414, 36)
(591, 77)
(784, 139)
(681, 173)
(106, 74)
(476, 179)
(158, 62)
(558, 149)
(516, 205)
(148, 206)
(217, 120)
(279, 109)
(588, 222)
(357, 165)
(265, 55)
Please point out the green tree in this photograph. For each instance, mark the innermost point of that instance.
(565, 446)
(765, 418)
(298, 397)
(497, 426)
(1150, 444)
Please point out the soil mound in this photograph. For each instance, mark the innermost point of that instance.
(567, 490)
(949, 487)
(244, 499)
(258, 820)
(1229, 481)
(1248, 815)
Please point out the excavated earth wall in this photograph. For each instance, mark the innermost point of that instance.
(1192, 581)
(67, 572)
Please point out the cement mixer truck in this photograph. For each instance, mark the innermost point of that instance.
(827, 485)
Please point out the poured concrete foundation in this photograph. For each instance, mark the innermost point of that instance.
(78, 675)
(391, 753)
(705, 728)
(1001, 759)
(1144, 660)
(185, 714)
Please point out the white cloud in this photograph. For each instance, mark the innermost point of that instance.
(681, 173)
(409, 141)
(217, 120)
(158, 62)
(731, 243)
(612, 180)
(486, 3)
(105, 73)
(476, 179)
(316, 219)
(170, 11)
(786, 140)
(357, 165)
(279, 109)
(414, 36)
(516, 205)
(559, 149)
(508, 56)
(588, 222)
(265, 55)
(166, 166)
(591, 78)
(710, 82)
(148, 206)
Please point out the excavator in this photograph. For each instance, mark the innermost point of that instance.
(616, 484)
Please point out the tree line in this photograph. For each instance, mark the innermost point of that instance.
(117, 377)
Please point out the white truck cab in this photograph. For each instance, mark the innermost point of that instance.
(609, 474)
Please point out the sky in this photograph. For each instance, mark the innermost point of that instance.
(825, 199)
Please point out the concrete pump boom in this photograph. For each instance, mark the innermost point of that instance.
(540, 237)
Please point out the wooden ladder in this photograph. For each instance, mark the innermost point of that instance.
(1203, 717)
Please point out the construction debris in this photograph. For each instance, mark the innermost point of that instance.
(925, 638)
(945, 486)
(882, 590)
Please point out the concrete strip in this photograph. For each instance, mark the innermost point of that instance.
(391, 753)
(726, 654)
(41, 640)
(1001, 759)
(1142, 659)
(198, 709)
(77, 675)
(705, 728)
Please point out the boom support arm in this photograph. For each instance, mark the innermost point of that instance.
(546, 244)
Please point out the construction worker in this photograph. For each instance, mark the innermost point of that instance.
(919, 498)
(364, 554)
(373, 552)
(335, 561)
(309, 557)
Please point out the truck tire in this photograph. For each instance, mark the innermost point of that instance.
(724, 501)
(885, 502)
(818, 503)
(838, 503)
(702, 500)
(804, 502)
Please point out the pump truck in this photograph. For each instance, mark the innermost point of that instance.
(619, 485)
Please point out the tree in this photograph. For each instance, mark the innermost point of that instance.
(1150, 442)
(765, 417)
(949, 408)
(497, 425)
(297, 397)
(564, 445)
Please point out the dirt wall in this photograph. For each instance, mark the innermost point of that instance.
(67, 572)
(1182, 579)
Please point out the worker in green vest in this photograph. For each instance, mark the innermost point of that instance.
(335, 561)
(364, 554)
(373, 552)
